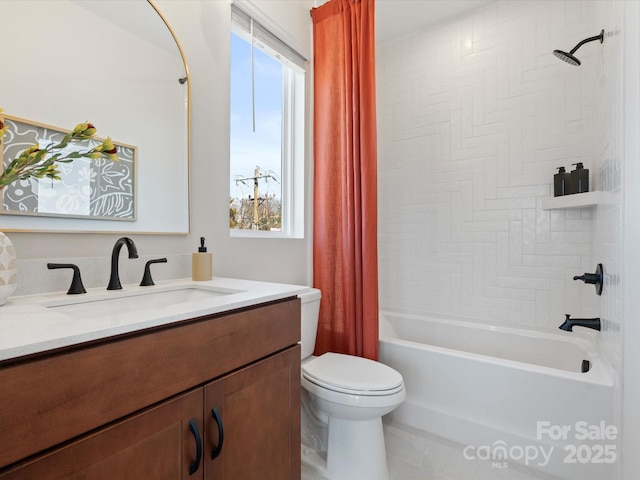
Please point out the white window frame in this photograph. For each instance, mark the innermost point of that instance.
(293, 130)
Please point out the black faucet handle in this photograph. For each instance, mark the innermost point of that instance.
(146, 278)
(596, 279)
(590, 278)
(76, 282)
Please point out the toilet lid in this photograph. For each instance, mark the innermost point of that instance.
(349, 374)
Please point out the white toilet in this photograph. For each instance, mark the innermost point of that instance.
(343, 401)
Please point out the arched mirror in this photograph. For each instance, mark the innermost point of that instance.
(117, 64)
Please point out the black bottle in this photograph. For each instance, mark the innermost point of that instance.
(561, 183)
(579, 179)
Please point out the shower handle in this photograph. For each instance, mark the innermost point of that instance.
(593, 278)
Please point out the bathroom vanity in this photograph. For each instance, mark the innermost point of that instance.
(211, 395)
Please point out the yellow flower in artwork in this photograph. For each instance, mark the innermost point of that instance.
(85, 129)
(3, 128)
(38, 162)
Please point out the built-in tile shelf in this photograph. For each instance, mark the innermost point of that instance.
(577, 200)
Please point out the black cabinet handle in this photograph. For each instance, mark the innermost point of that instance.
(193, 426)
(215, 413)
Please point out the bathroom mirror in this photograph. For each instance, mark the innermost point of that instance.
(116, 64)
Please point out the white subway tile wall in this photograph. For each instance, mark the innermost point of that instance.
(474, 116)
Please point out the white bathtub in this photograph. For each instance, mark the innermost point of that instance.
(508, 394)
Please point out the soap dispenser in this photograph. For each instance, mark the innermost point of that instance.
(579, 179)
(561, 183)
(201, 263)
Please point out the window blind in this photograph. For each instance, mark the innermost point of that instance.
(263, 37)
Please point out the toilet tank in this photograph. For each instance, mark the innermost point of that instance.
(310, 309)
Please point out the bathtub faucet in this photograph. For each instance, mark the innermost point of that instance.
(569, 323)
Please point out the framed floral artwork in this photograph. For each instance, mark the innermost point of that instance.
(98, 188)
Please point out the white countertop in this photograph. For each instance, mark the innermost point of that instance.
(28, 325)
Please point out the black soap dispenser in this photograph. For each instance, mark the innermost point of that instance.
(561, 183)
(579, 179)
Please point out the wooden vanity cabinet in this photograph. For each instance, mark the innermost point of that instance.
(242, 403)
(156, 444)
(260, 415)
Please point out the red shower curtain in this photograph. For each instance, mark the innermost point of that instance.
(345, 255)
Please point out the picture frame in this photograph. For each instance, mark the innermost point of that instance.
(99, 189)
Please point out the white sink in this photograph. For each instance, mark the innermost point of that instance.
(126, 302)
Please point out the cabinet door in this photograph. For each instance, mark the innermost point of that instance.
(156, 444)
(256, 415)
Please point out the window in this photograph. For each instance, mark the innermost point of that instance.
(267, 132)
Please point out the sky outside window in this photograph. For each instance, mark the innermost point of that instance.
(261, 148)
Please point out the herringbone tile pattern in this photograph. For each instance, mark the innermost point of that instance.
(474, 116)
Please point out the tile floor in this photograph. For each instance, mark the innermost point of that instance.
(416, 455)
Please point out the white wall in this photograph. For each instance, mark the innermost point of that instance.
(474, 116)
(629, 335)
(203, 29)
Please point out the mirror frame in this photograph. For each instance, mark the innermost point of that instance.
(186, 79)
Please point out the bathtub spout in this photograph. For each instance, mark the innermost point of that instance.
(569, 323)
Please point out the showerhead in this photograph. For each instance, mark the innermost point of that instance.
(567, 57)
(570, 58)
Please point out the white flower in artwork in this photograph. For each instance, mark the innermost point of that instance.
(72, 203)
(87, 174)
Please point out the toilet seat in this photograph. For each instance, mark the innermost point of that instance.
(352, 375)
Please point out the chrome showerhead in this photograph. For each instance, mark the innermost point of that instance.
(570, 58)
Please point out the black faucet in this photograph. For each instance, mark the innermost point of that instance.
(76, 282)
(114, 280)
(569, 323)
(146, 278)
